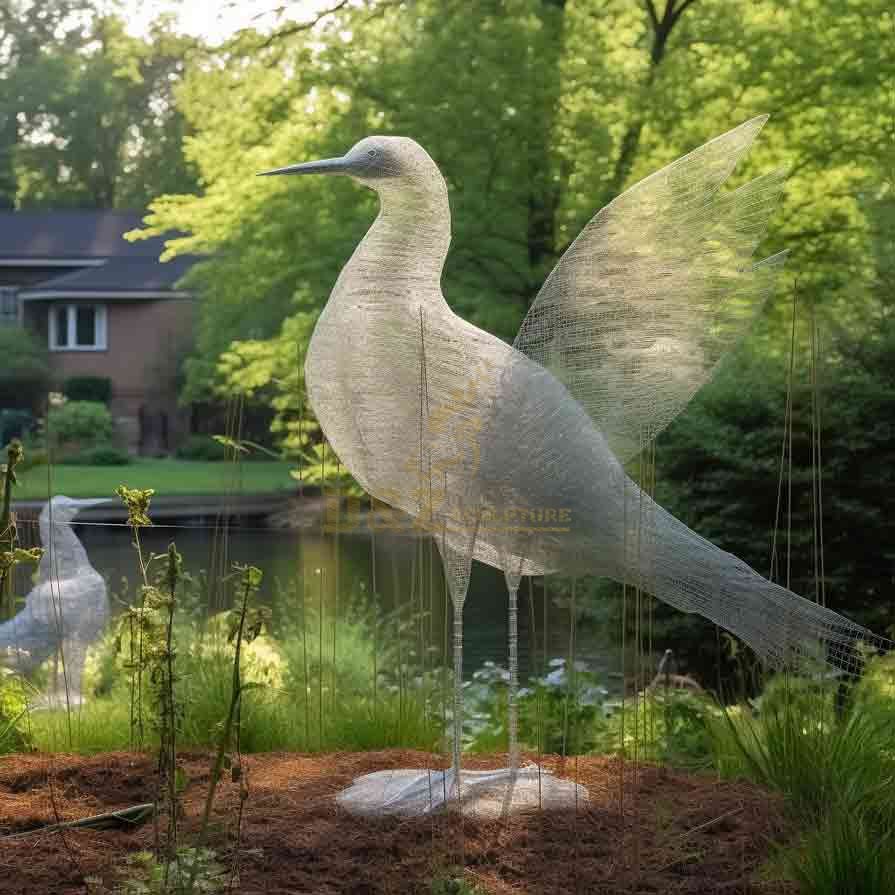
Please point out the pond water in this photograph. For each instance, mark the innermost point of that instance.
(405, 570)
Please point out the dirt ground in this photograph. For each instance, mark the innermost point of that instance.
(650, 831)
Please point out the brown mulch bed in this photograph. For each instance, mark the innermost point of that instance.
(654, 831)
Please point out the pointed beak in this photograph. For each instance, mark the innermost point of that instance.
(84, 504)
(324, 166)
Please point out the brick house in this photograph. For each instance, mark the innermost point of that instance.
(105, 307)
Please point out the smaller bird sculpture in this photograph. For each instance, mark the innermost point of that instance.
(65, 611)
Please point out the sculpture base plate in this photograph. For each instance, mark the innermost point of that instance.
(417, 793)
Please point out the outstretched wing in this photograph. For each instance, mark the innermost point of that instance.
(661, 282)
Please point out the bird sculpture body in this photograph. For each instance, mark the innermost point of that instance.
(65, 611)
(512, 454)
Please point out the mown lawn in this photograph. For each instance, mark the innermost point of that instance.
(167, 477)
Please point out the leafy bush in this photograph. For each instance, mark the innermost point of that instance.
(202, 447)
(13, 706)
(15, 424)
(793, 741)
(718, 468)
(82, 422)
(843, 856)
(454, 884)
(100, 455)
(88, 388)
(25, 373)
(193, 871)
(562, 712)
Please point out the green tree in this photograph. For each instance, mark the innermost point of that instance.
(539, 112)
(29, 30)
(107, 132)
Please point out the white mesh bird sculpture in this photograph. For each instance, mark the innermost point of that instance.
(64, 612)
(512, 455)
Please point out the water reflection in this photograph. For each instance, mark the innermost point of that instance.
(388, 571)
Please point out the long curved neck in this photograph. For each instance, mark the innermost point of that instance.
(64, 555)
(409, 240)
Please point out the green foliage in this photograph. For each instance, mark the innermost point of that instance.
(569, 712)
(88, 388)
(284, 710)
(85, 423)
(11, 554)
(559, 713)
(553, 109)
(833, 762)
(105, 81)
(15, 424)
(719, 467)
(99, 455)
(191, 871)
(25, 375)
(202, 447)
(14, 735)
(136, 501)
(843, 856)
(454, 885)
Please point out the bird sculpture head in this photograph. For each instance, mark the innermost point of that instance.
(376, 162)
(63, 509)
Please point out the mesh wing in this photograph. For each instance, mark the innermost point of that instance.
(638, 312)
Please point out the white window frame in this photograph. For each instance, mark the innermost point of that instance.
(100, 328)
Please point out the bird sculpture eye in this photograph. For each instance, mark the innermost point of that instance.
(371, 153)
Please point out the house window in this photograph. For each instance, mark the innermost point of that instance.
(78, 327)
(9, 305)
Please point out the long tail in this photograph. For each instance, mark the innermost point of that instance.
(785, 630)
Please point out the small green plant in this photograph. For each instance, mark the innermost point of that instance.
(844, 855)
(202, 447)
(795, 743)
(84, 423)
(191, 871)
(13, 709)
(454, 883)
(246, 624)
(100, 455)
(562, 712)
(11, 554)
(142, 623)
(25, 375)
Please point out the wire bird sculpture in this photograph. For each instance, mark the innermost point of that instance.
(65, 611)
(512, 455)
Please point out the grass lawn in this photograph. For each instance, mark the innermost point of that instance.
(168, 477)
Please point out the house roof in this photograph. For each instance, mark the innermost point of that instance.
(123, 278)
(106, 265)
(73, 235)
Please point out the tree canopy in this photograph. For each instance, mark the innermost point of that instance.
(88, 112)
(538, 112)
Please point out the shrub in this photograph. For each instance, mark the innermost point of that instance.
(100, 455)
(202, 447)
(843, 856)
(562, 712)
(797, 745)
(13, 705)
(15, 424)
(25, 375)
(88, 388)
(83, 422)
